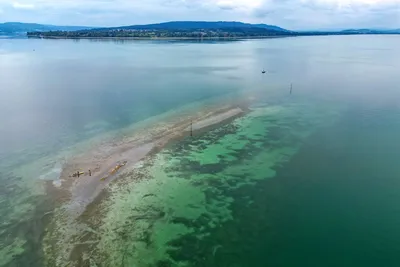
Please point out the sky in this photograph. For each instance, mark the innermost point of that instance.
(290, 14)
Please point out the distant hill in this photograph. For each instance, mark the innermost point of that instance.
(251, 32)
(196, 25)
(372, 31)
(185, 29)
(174, 29)
(16, 28)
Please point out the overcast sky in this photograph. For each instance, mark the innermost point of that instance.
(291, 14)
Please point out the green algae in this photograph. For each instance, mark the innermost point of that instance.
(161, 211)
(11, 250)
(161, 219)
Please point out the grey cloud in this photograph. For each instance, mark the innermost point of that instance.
(226, 7)
(262, 13)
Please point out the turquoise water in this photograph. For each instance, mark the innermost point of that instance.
(181, 212)
(308, 179)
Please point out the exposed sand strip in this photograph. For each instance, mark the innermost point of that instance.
(102, 159)
(215, 119)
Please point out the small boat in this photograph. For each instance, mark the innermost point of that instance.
(263, 71)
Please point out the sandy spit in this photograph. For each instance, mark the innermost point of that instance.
(127, 151)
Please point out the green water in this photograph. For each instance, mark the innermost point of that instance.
(308, 179)
(333, 204)
(181, 213)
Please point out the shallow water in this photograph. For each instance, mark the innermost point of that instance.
(190, 188)
(308, 179)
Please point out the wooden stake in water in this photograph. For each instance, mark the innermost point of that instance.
(191, 128)
(291, 88)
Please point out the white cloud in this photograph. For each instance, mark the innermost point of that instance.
(18, 5)
(292, 14)
(315, 14)
(238, 4)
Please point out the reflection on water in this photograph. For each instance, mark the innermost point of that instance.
(160, 41)
(57, 93)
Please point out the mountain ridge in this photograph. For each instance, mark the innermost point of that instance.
(181, 27)
(20, 27)
(191, 25)
(15, 28)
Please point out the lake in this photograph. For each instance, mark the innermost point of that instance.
(308, 178)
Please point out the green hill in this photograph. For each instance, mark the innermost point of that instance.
(19, 28)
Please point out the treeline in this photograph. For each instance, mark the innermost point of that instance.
(209, 33)
(195, 34)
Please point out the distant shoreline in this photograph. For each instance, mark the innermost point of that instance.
(162, 38)
(204, 38)
(177, 30)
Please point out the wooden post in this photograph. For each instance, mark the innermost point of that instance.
(191, 128)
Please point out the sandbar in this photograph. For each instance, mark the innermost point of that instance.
(107, 160)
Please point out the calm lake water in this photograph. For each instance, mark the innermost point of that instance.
(332, 201)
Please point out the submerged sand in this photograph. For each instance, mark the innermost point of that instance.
(111, 159)
(142, 213)
(103, 163)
